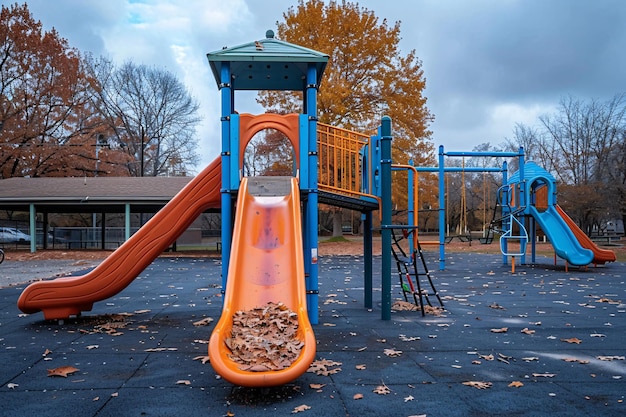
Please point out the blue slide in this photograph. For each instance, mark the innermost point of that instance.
(561, 236)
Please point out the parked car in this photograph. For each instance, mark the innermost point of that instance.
(11, 235)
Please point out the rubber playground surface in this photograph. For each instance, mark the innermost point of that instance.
(538, 342)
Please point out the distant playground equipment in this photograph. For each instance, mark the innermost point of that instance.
(534, 194)
(269, 225)
(524, 202)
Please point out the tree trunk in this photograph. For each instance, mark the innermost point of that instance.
(337, 222)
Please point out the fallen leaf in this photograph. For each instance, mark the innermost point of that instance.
(115, 394)
(361, 367)
(46, 352)
(486, 357)
(516, 384)
(183, 382)
(545, 375)
(501, 330)
(526, 330)
(530, 359)
(203, 322)
(582, 361)
(12, 385)
(63, 371)
(160, 349)
(476, 362)
(357, 397)
(496, 306)
(478, 384)
(95, 398)
(382, 390)
(317, 386)
(204, 359)
(572, 340)
(392, 352)
(409, 398)
(610, 358)
(300, 408)
(90, 347)
(324, 367)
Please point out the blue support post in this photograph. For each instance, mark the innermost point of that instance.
(505, 204)
(367, 258)
(385, 162)
(235, 157)
(412, 210)
(523, 199)
(312, 284)
(442, 211)
(226, 199)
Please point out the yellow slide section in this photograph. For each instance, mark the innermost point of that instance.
(63, 297)
(600, 256)
(266, 265)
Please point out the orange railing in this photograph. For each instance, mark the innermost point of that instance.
(340, 160)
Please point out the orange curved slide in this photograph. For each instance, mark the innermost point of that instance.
(266, 265)
(600, 256)
(63, 297)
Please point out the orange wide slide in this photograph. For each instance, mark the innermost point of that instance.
(600, 256)
(63, 297)
(266, 265)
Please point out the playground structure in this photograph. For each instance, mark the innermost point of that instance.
(269, 228)
(526, 200)
(269, 224)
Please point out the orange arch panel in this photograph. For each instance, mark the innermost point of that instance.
(287, 124)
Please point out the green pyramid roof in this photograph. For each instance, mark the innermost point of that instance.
(267, 64)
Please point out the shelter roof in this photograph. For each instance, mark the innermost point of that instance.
(88, 194)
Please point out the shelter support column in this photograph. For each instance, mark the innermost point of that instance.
(126, 221)
(33, 228)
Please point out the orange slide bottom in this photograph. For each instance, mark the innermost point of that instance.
(63, 297)
(266, 265)
(600, 256)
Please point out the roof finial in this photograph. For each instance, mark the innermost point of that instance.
(269, 34)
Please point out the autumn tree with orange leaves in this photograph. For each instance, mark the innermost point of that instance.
(366, 78)
(48, 126)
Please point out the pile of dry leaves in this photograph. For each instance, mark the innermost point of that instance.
(400, 305)
(265, 338)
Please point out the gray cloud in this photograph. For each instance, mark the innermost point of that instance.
(488, 63)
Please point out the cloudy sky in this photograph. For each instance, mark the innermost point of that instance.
(488, 63)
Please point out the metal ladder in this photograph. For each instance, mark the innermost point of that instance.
(408, 270)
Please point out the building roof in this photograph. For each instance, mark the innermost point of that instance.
(89, 194)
